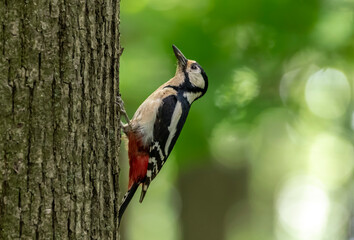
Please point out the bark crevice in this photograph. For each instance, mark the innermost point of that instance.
(60, 133)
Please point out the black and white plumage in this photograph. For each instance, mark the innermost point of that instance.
(156, 125)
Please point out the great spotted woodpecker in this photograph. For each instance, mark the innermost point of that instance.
(156, 125)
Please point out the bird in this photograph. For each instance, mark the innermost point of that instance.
(157, 123)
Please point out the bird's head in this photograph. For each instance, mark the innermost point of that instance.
(195, 79)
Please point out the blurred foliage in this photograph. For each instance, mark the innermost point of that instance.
(278, 116)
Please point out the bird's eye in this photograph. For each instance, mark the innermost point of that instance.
(194, 67)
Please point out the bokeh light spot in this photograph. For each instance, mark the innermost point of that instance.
(303, 208)
(331, 160)
(229, 143)
(328, 93)
(243, 87)
(334, 28)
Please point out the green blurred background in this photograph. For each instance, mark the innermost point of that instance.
(267, 153)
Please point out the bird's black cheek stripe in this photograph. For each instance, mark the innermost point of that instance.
(186, 78)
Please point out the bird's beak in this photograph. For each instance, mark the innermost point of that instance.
(182, 60)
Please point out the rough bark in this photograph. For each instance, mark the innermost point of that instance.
(59, 139)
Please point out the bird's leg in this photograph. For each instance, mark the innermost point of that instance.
(126, 127)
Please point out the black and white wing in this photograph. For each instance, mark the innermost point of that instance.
(169, 121)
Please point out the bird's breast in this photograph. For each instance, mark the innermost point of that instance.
(145, 117)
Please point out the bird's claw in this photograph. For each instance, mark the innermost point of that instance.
(120, 104)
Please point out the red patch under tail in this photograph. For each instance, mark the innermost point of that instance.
(138, 159)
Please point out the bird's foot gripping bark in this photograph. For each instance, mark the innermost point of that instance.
(125, 126)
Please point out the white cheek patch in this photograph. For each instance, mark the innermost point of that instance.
(197, 80)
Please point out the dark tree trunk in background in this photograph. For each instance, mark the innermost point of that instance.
(206, 206)
(59, 139)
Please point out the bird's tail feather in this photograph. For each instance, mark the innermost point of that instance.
(126, 199)
(144, 188)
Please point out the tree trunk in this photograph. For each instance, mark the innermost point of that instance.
(59, 142)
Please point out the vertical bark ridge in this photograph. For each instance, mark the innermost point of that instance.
(115, 52)
(59, 143)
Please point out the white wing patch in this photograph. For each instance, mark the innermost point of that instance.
(173, 126)
(148, 173)
(157, 146)
(154, 163)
